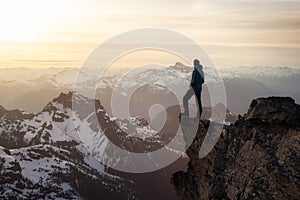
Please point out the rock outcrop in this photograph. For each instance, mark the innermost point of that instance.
(258, 157)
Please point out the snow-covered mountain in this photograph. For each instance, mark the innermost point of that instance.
(283, 81)
(242, 84)
(46, 171)
(261, 71)
(42, 157)
(51, 154)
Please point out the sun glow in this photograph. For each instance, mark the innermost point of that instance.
(233, 33)
(22, 20)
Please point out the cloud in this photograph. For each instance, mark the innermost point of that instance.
(243, 26)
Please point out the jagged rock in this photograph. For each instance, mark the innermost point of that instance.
(281, 110)
(256, 158)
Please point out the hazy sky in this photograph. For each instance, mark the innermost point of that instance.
(62, 33)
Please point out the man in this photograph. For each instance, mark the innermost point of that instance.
(195, 88)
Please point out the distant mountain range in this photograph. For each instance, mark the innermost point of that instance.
(22, 86)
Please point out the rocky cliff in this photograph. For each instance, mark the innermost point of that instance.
(258, 157)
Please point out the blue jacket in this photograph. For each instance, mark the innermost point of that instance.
(197, 78)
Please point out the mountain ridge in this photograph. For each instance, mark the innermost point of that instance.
(243, 83)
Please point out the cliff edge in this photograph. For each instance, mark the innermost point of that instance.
(258, 157)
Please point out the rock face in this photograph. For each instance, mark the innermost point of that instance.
(256, 158)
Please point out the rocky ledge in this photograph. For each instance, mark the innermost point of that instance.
(258, 157)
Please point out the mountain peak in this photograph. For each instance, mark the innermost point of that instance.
(68, 99)
(181, 67)
(63, 98)
(281, 110)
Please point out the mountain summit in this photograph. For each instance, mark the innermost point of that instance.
(256, 158)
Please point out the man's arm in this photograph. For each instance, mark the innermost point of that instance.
(202, 76)
(193, 78)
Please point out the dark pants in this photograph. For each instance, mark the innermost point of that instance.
(188, 95)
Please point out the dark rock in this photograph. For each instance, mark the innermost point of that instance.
(281, 110)
(256, 158)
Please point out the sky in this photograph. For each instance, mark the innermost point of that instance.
(62, 33)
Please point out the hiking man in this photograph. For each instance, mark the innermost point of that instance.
(195, 89)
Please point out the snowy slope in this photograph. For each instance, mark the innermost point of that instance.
(44, 150)
(50, 172)
(47, 146)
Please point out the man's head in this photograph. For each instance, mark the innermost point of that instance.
(196, 62)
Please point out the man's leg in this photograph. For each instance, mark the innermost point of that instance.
(199, 103)
(186, 99)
